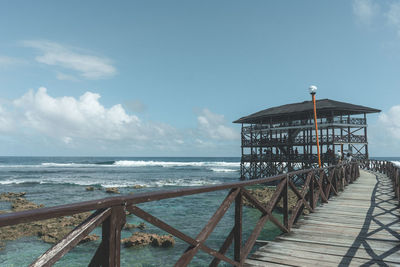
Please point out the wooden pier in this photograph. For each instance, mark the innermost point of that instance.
(357, 223)
(360, 226)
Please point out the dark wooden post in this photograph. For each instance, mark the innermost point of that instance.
(108, 253)
(285, 204)
(238, 227)
(311, 190)
(335, 180)
(396, 182)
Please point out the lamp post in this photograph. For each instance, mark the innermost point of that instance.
(313, 90)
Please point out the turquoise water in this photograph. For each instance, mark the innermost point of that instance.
(60, 180)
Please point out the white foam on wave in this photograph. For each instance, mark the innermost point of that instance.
(182, 182)
(142, 163)
(223, 170)
(13, 181)
(160, 183)
(133, 163)
(119, 184)
(20, 166)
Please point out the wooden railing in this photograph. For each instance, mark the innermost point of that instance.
(388, 168)
(318, 185)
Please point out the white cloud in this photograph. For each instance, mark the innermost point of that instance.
(68, 118)
(6, 123)
(384, 134)
(393, 16)
(84, 125)
(391, 122)
(214, 126)
(365, 10)
(6, 61)
(88, 66)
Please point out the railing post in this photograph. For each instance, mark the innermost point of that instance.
(397, 184)
(285, 204)
(334, 180)
(108, 253)
(311, 190)
(238, 227)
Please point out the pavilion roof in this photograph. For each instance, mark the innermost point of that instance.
(302, 110)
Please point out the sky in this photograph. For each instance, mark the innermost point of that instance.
(167, 78)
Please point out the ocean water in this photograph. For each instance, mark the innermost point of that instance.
(60, 180)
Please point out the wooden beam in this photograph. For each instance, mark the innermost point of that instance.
(57, 251)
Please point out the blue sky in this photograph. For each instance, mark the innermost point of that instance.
(167, 78)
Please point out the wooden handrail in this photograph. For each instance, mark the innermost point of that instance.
(318, 184)
(388, 168)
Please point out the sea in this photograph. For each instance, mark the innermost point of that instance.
(55, 181)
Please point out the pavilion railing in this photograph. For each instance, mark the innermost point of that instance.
(300, 140)
(388, 168)
(318, 186)
(322, 122)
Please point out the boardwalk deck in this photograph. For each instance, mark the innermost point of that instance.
(361, 226)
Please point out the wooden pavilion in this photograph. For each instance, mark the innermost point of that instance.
(282, 139)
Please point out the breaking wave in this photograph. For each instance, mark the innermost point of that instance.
(151, 163)
(218, 166)
(119, 184)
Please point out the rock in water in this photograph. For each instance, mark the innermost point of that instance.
(140, 226)
(264, 195)
(144, 239)
(112, 190)
(164, 241)
(10, 196)
(90, 188)
(50, 231)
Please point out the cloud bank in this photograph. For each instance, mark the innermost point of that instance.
(384, 135)
(84, 122)
(214, 126)
(393, 16)
(86, 65)
(391, 122)
(369, 12)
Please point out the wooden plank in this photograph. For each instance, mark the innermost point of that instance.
(288, 260)
(329, 234)
(345, 231)
(343, 236)
(255, 263)
(72, 239)
(237, 234)
(383, 246)
(331, 249)
(285, 253)
(320, 227)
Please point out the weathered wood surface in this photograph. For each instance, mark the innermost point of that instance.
(361, 226)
